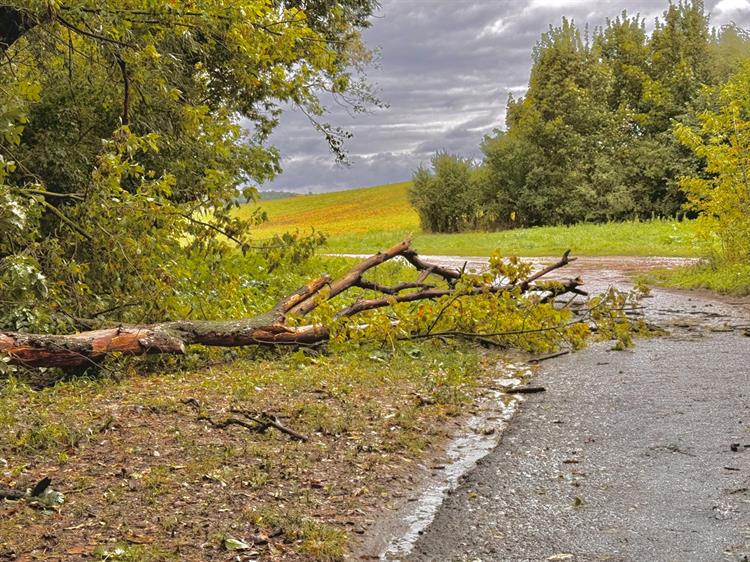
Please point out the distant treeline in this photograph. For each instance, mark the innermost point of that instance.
(271, 195)
(593, 138)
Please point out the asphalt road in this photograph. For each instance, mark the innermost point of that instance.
(641, 455)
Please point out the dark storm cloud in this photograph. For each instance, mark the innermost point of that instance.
(446, 69)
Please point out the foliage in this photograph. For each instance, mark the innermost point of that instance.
(592, 138)
(530, 321)
(722, 195)
(728, 50)
(127, 131)
(445, 199)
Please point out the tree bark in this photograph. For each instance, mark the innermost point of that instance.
(92, 347)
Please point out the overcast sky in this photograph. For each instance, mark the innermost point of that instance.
(446, 68)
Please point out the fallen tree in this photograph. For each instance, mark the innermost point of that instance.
(284, 324)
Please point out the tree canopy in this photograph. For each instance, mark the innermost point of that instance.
(721, 196)
(593, 137)
(128, 129)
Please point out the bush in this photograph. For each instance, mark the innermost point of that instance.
(445, 198)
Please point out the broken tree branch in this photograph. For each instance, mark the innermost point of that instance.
(269, 420)
(92, 347)
(257, 423)
(565, 260)
(450, 275)
(394, 290)
(524, 389)
(352, 277)
(223, 424)
(559, 288)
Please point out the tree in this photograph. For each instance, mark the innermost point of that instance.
(507, 302)
(656, 80)
(122, 146)
(679, 63)
(722, 195)
(592, 139)
(561, 132)
(445, 197)
(729, 48)
(506, 197)
(623, 44)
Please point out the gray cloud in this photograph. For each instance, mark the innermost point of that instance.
(446, 69)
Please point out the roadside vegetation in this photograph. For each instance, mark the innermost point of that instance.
(725, 278)
(145, 478)
(721, 196)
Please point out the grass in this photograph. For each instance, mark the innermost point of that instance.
(633, 238)
(728, 279)
(145, 478)
(370, 219)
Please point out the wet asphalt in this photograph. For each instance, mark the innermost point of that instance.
(638, 455)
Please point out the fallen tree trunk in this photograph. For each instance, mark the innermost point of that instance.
(91, 347)
(88, 348)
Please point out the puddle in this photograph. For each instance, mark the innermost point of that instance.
(481, 434)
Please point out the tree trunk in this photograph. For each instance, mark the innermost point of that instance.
(91, 347)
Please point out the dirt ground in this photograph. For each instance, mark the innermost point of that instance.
(148, 474)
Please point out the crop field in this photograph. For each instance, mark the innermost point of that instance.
(369, 219)
(341, 213)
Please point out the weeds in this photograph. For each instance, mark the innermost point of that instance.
(730, 279)
(317, 540)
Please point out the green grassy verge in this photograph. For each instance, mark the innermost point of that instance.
(729, 279)
(634, 238)
(370, 219)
